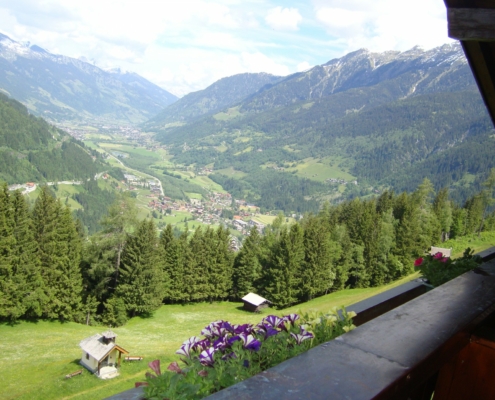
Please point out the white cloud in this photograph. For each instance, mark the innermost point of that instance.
(187, 45)
(383, 24)
(303, 66)
(283, 19)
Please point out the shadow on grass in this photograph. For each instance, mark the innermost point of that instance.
(147, 315)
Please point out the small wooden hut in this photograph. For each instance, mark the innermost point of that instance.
(255, 303)
(101, 355)
(445, 252)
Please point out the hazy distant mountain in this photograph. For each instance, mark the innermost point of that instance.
(221, 94)
(64, 88)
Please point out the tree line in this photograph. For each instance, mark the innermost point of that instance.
(49, 269)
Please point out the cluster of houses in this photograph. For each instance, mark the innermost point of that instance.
(339, 181)
(245, 226)
(24, 188)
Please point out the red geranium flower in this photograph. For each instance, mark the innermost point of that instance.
(418, 262)
(444, 259)
(438, 256)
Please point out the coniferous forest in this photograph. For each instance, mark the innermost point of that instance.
(49, 269)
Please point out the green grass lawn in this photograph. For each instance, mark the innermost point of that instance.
(36, 356)
(485, 241)
(319, 170)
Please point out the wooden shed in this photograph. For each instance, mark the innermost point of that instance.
(101, 355)
(255, 303)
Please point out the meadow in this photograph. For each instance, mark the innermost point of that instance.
(36, 356)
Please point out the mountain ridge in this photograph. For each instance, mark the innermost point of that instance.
(64, 88)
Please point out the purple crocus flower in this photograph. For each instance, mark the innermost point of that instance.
(206, 356)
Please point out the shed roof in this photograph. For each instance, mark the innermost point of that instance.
(96, 348)
(254, 299)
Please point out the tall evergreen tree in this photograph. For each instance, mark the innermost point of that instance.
(26, 264)
(442, 207)
(247, 271)
(284, 284)
(317, 270)
(59, 249)
(141, 275)
(176, 266)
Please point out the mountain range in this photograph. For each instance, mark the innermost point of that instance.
(389, 119)
(62, 88)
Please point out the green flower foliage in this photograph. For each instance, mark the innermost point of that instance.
(439, 269)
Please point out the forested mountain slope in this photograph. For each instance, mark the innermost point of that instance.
(389, 119)
(33, 150)
(63, 88)
(221, 94)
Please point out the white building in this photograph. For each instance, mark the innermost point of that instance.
(101, 355)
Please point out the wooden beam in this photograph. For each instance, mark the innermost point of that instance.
(471, 23)
(480, 56)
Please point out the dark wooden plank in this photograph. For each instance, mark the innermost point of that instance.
(480, 59)
(469, 3)
(388, 357)
(471, 24)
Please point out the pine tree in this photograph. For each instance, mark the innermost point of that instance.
(220, 273)
(284, 283)
(59, 249)
(442, 207)
(9, 303)
(141, 275)
(26, 264)
(247, 267)
(176, 266)
(317, 270)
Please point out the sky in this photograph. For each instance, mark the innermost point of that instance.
(185, 46)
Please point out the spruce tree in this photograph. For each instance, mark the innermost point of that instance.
(141, 275)
(284, 275)
(176, 267)
(220, 273)
(59, 249)
(10, 306)
(26, 264)
(317, 270)
(247, 267)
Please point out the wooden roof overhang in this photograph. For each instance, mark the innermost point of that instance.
(472, 22)
(116, 347)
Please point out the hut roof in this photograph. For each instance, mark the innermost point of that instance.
(96, 348)
(109, 335)
(254, 299)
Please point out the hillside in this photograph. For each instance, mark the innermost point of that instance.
(62, 88)
(386, 119)
(221, 94)
(33, 150)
